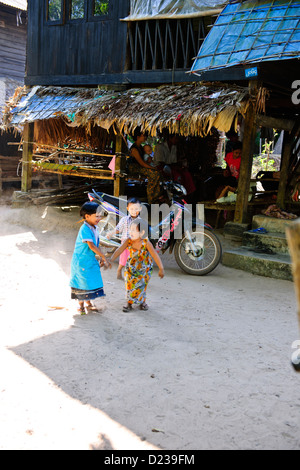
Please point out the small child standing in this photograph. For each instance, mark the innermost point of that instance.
(134, 207)
(86, 280)
(139, 265)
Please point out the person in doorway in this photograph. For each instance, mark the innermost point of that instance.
(231, 174)
(232, 137)
(233, 160)
(165, 156)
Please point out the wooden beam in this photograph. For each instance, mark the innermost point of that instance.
(284, 170)
(119, 184)
(241, 206)
(285, 162)
(28, 133)
(293, 238)
(275, 123)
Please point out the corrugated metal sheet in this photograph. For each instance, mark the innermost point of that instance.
(164, 9)
(251, 32)
(19, 4)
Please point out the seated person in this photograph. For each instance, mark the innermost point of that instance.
(165, 156)
(137, 165)
(233, 160)
(232, 137)
(232, 172)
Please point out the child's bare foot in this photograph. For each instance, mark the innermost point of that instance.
(119, 274)
(81, 309)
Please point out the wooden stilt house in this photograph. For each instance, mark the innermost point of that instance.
(257, 44)
(13, 24)
(93, 44)
(88, 64)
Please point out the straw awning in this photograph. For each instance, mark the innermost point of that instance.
(19, 4)
(190, 109)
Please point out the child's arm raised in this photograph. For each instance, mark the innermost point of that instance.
(156, 258)
(120, 250)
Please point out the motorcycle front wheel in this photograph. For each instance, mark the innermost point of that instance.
(202, 255)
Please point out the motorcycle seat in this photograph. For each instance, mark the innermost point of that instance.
(115, 201)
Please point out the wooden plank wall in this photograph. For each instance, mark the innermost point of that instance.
(81, 48)
(12, 44)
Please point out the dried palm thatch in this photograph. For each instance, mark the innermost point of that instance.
(189, 109)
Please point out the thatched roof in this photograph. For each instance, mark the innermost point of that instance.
(190, 109)
(19, 4)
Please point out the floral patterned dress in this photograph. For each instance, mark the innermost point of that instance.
(137, 273)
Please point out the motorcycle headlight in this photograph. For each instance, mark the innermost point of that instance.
(180, 189)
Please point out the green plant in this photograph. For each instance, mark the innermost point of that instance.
(54, 10)
(101, 7)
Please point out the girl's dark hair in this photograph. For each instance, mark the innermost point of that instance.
(89, 208)
(236, 145)
(137, 132)
(141, 225)
(133, 200)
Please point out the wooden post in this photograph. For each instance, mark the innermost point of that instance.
(246, 167)
(1, 187)
(27, 157)
(293, 238)
(119, 183)
(285, 160)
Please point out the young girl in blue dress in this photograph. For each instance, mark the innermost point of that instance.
(86, 279)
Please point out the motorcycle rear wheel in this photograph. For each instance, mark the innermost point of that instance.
(209, 252)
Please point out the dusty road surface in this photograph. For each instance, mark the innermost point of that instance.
(207, 367)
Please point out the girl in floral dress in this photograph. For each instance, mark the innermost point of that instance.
(139, 265)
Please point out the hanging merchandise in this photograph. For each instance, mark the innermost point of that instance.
(159, 9)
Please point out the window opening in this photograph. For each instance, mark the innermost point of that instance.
(100, 7)
(55, 10)
(77, 9)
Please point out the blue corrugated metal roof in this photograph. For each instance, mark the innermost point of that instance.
(251, 32)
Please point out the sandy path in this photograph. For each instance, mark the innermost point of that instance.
(207, 367)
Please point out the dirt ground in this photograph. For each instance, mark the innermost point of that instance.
(207, 367)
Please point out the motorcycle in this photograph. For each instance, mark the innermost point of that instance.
(196, 248)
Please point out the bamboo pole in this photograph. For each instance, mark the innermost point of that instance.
(94, 174)
(285, 160)
(119, 184)
(293, 238)
(66, 150)
(27, 157)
